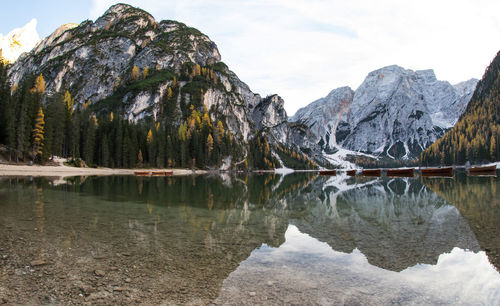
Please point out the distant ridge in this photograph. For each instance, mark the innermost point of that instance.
(475, 137)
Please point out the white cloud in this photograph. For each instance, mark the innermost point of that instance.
(302, 49)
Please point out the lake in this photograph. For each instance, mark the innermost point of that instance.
(250, 239)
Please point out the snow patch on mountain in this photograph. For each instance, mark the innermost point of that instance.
(339, 158)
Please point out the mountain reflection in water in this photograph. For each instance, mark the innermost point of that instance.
(299, 238)
(304, 270)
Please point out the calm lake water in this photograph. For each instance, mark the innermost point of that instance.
(250, 239)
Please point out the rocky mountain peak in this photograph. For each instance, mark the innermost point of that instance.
(54, 38)
(121, 8)
(395, 112)
(130, 18)
(106, 50)
(428, 75)
(270, 112)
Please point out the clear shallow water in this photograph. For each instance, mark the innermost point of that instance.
(299, 238)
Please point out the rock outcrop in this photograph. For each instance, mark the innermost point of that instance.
(324, 115)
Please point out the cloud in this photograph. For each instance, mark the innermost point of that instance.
(302, 49)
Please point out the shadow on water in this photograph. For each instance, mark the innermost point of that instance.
(177, 239)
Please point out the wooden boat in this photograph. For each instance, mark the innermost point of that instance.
(446, 171)
(371, 172)
(328, 172)
(401, 172)
(162, 173)
(351, 172)
(483, 169)
(142, 173)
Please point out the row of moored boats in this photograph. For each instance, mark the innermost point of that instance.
(410, 172)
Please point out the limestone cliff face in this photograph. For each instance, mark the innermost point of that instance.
(395, 113)
(324, 115)
(94, 61)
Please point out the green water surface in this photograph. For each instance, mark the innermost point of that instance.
(250, 239)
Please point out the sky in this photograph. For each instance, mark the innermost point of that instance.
(303, 49)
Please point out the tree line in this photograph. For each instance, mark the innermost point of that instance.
(36, 127)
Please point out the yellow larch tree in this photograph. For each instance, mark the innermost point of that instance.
(38, 133)
(219, 131)
(134, 74)
(210, 143)
(69, 102)
(205, 122)
(39, 86)
(197, 69)
(149, 138)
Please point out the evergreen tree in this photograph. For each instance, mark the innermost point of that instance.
(89, 140)
(104, 151)
(162, 146)
(4, 102)
(140, 159)
(54, 127)
(210, 146)
(22, 101)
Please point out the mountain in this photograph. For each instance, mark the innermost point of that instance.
(395, 113)
(168, 80)
(18, 41)
(324, 115)
(476, 135)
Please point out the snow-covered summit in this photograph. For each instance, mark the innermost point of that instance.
(18, 41)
